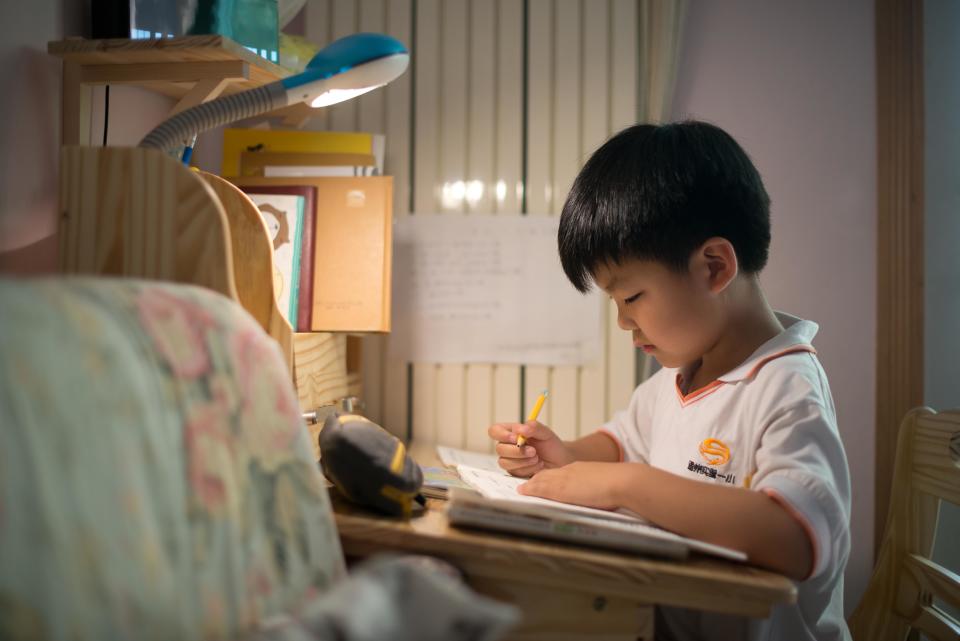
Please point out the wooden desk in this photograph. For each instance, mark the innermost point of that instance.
(567, 592)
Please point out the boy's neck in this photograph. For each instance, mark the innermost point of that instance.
(750, 323)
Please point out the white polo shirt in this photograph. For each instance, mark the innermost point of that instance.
(770, 425)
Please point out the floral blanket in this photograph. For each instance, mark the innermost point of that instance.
(156, 480)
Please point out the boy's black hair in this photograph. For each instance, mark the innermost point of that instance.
(657, 192)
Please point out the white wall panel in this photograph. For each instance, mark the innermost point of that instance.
(481, 178)
(344, 20)
(539, 185)
(567, 97)
(621, 355)
(454, 102)
(427, 182)
(470, 116)
(509, 156)
(594, 129)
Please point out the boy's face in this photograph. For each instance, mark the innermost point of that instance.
(672, 316)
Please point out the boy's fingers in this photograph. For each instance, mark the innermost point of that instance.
(512, 464)
(503, 432)
(511, 451)
(534, 429)
(527, 470)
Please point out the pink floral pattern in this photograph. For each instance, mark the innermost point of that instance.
(159, 457)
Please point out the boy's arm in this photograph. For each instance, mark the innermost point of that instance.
(595, 447)
(738, 518)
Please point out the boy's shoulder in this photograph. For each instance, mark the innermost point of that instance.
(783, 371)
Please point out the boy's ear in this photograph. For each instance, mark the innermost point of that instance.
(716, 260)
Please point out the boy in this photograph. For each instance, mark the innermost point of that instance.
(734, 441)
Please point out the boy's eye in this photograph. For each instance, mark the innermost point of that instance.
(632, 298)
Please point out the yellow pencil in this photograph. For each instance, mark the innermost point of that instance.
(534, 413)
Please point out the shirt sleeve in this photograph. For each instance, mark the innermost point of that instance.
(801, 465)
(630, 428)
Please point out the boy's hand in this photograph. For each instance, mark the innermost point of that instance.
(581, 483)
(543, 448)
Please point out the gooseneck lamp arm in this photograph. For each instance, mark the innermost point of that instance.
(348, 67)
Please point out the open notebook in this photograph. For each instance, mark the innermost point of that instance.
(494, 504)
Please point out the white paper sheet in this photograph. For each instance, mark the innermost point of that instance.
(489, 289)
(453, 457)
(497, 485)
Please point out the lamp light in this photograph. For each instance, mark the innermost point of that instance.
(348, 67)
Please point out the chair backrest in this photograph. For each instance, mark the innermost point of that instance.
(899, 599)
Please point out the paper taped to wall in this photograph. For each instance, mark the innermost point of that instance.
(480, 288)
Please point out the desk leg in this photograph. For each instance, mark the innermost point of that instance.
(564, 615)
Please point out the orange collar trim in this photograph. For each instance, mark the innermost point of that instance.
(709, 388)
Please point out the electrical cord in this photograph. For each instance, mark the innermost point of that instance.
(106, 112)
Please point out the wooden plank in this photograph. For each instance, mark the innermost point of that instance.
(395, 385)
(900, 231)
(371, 117)
(320, 373)
(203, 91)
(701, 583)
(568, 614)
(252, 254)
(139, 73)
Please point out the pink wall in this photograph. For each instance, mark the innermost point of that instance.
(794, 83)
(30, 127)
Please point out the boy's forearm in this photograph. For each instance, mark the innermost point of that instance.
(594, 447)
(739, 518)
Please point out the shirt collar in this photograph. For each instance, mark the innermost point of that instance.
(796, 336)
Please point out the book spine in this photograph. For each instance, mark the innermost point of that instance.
(304, 318)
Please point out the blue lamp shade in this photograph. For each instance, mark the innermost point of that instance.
(349, 67)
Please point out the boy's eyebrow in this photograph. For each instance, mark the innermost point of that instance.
(609, 287)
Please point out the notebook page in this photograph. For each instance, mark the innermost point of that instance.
(454, 457)
(498, 485)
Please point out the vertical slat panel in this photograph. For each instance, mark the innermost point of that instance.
(454, 99)
(595, 127)
(482, 65)
(567, 97)
(427, 182)
(394, 408)
(509, 159)
(343, 22)
(540, 126)
(621, 355)
(317, 31)
(372, 118)
(371, 107)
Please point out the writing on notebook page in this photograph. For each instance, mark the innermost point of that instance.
(499, 485)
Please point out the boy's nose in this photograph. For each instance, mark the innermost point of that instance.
(624, 321)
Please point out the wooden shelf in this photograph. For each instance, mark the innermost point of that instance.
(171, 66)
(206, 231)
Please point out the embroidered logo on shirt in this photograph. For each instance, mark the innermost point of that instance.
(714, 452)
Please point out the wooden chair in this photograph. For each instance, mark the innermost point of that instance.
(899, 598)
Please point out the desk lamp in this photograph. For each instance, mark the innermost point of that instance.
(347, 68)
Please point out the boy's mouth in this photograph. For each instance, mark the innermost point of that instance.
(647, 348)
